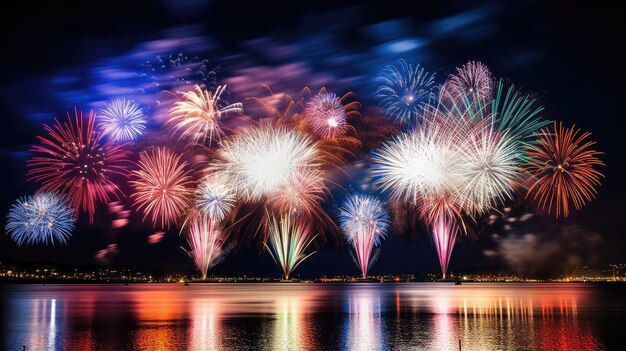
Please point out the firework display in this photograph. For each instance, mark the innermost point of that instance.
(455, 152)
(162, 186)
(43, 218)
(364, 222)
(206, 240)
(405, 90)
(75, 160)
(288, 242)
(198, 113)
(123, 120)
(563, 169)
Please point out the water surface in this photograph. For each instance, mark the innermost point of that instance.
(404, 316)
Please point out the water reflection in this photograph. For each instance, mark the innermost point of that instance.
(309, 317)
(363, 324)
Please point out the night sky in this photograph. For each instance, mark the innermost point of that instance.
(568, 55)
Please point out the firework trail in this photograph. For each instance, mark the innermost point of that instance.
(75, 160)
(326, 115)
(260, 161)
(562, 169)
(40, 219)
(162, 186)
(444, 231)
(405, 90)
(215, 197)
(288, 241)
(472, 82)
(364, 222)
(198, 114)
(122, 120)
(205, 239)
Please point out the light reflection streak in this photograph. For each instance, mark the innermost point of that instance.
(363, 328)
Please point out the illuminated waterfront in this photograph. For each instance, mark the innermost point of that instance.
(431, 316)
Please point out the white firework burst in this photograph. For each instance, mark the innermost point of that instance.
(122, 120)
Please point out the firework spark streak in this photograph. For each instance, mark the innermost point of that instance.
(162, 186)
(205, 239)
(43, 218)
(405, 90)
(472, 82)
(122, 120)
(288, 241)
(75, 160)
(364, 222)
(326, 115)
(198, 114)
(562, 169)
(260, 161)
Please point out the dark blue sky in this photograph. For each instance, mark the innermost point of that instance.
(58, 56)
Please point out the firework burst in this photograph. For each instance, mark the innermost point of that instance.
(472, 81)
(289, 241)
(261, 161)
(122, 120)
(215, 198)
(162, 186)
(303, 193)
(364, 222)
(562, 169)
(44, 218)
(326, 115)
(198, 114)
(206, 240)
(75, 160)
(405, 91)
(490, 170)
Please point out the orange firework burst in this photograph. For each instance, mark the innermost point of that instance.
(562, 169)
(162, 186)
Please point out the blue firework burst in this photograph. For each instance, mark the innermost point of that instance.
(43, 218)
(404, 91)
(122, 120)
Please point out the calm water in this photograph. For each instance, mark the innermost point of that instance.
(313, 317)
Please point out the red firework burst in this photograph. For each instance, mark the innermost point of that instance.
(74, 159)
(162, 186)
(562, 169)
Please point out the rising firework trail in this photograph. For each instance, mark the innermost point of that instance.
(75, 160)
(288, 242)
(122, 120)
(364, 222)
(198, 114)
(562, 169)
(444, 231)
(404, 91)
(206, 240)
(162, 186)
(44, 218)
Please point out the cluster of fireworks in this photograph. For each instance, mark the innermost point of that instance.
(465, 148)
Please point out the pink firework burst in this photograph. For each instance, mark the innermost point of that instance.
(326, 115)
(75, 160)
(302, 193)
(472, 81)
(162, 186)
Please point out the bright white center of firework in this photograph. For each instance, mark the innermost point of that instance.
(332, 122)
